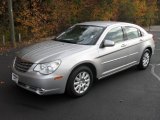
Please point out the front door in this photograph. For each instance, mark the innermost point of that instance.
(114, 58)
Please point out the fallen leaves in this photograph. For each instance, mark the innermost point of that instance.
(2, 82)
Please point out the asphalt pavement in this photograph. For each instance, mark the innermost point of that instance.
(128, 95)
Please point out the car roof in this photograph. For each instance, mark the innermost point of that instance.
(101, 23)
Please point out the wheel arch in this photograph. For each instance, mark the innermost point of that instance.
(88, 64)
(149, 48)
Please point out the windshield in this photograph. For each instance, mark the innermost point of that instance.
(81, 34)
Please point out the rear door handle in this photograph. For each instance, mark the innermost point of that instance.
(141, 40)
(123, 45)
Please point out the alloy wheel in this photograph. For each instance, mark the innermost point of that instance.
(146, 59)
(82, 82)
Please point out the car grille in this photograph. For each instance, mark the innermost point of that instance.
(22, 65)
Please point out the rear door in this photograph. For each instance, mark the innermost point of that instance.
(133, 42)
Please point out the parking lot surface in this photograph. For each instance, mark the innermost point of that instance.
(128, 95)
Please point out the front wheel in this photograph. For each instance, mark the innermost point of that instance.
(145, 59)
(79, 81)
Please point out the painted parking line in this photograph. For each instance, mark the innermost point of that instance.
(153, 72)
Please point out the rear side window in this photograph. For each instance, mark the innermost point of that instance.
(140, 33)
(115, 34)
(132, 32)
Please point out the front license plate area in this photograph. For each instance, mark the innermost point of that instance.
(15, 77)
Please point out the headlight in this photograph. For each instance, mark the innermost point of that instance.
(47, 68)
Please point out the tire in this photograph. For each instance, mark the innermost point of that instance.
(79, 82)
(145, 60)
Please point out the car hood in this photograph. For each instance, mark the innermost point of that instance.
(49, 51)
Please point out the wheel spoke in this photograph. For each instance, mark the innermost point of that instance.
(76, 88)
(82, 88)
(87, 80)
(78, 79)
(86, 76)
(79, 88)
(76, 83)
(79, 76)
(83, 74)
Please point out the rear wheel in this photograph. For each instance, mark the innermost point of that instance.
(145, 59)
(79, 81)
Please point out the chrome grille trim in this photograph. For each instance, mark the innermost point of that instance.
(22, 65)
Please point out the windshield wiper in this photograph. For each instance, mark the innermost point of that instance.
(66, 41)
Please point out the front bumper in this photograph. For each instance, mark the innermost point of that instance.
(41, 84)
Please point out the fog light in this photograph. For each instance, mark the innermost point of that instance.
(40, 91)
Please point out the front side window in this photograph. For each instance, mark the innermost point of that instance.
(81, 34)
(115, 34)
(132, 32)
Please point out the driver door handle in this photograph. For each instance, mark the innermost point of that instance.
(123, 45)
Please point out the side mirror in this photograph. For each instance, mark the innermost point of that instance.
(108, 43)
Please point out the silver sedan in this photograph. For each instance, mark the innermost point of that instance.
(83, 53)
